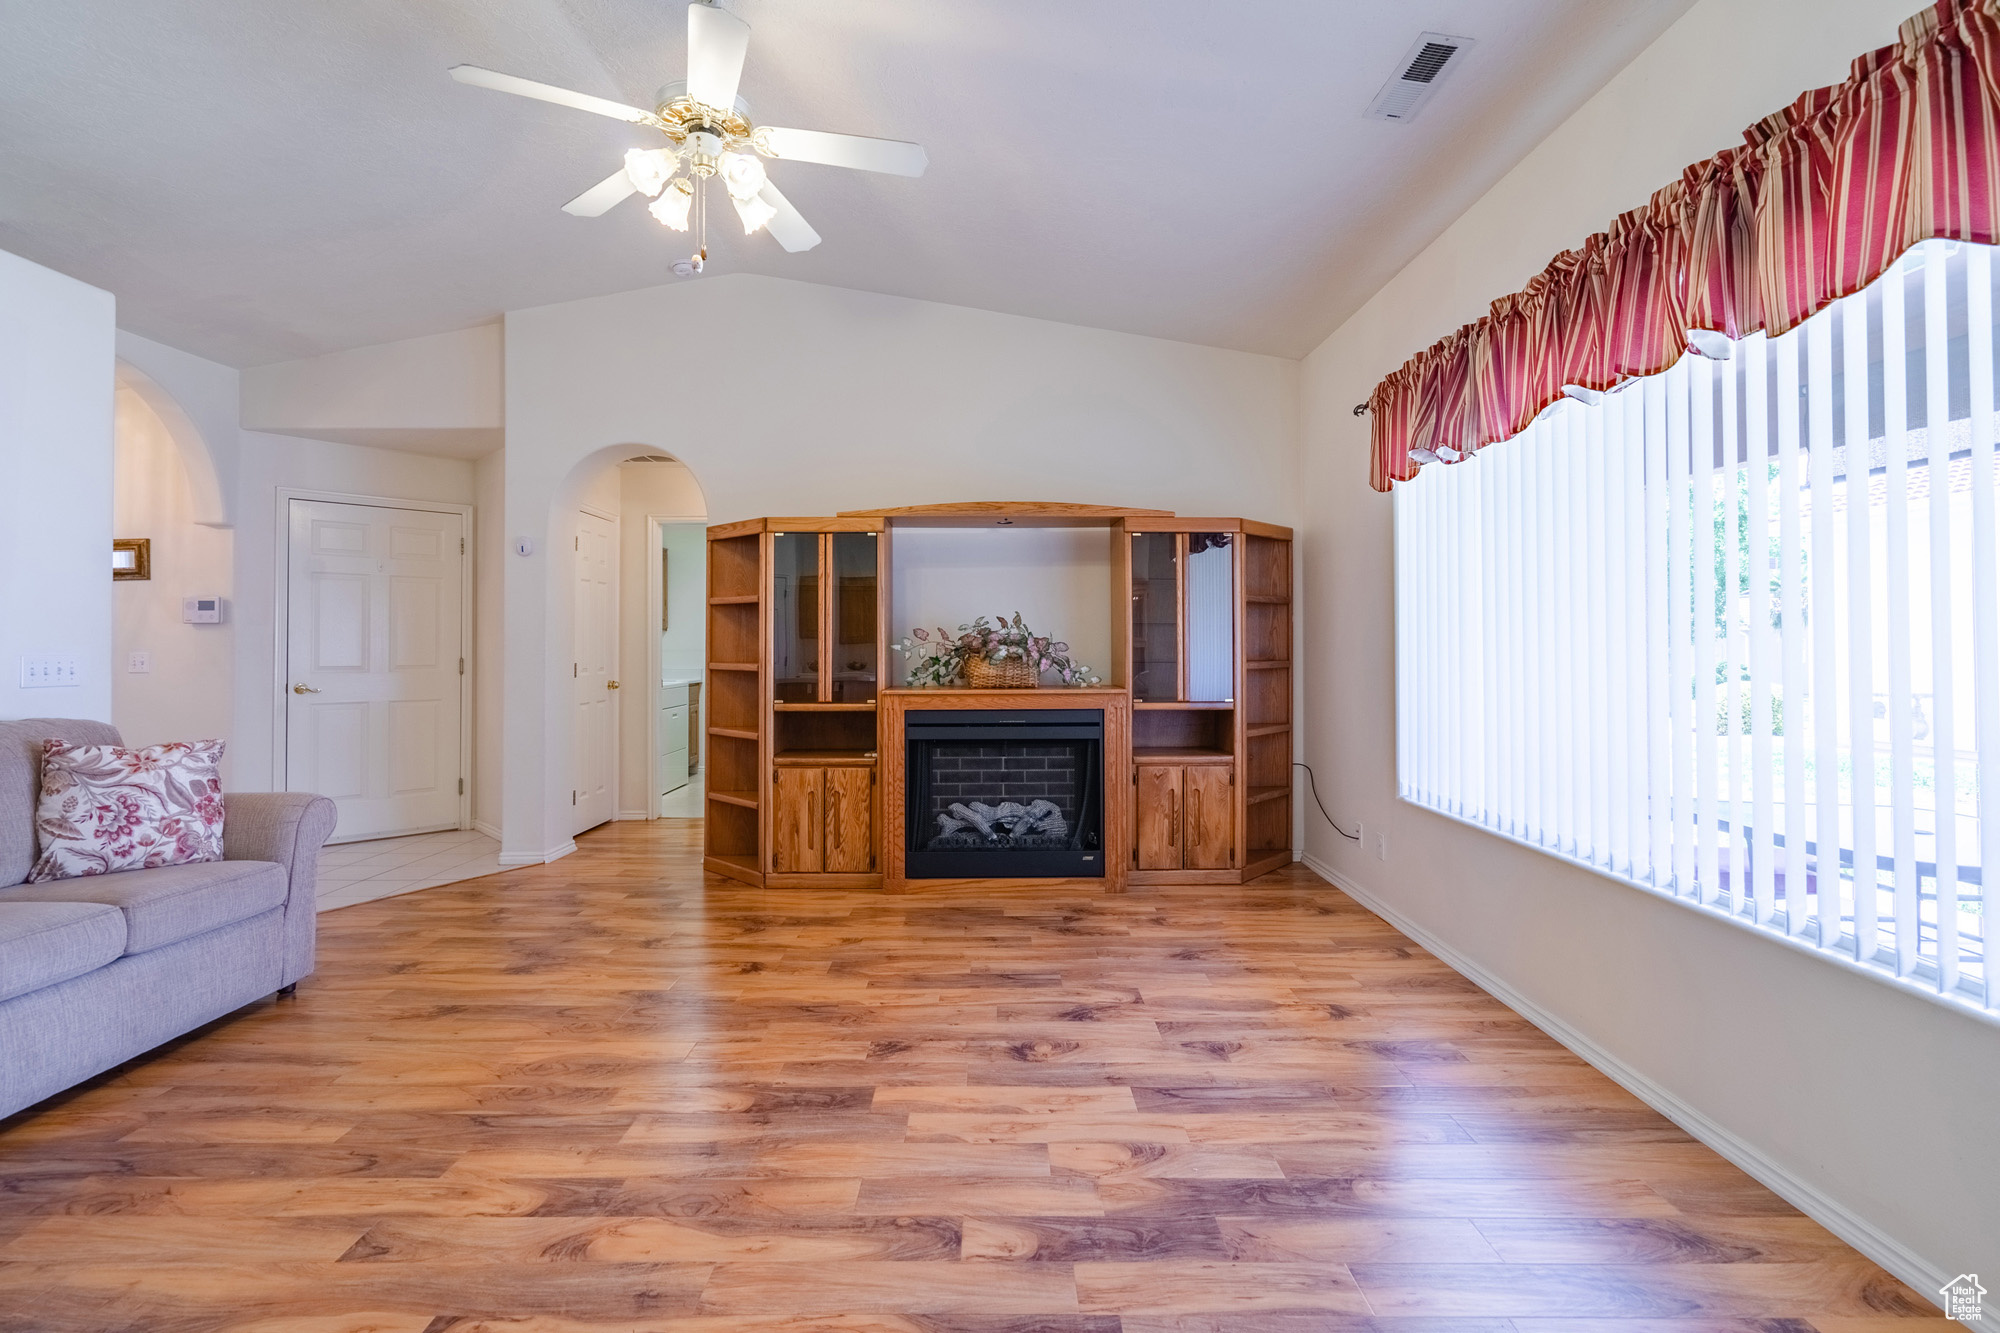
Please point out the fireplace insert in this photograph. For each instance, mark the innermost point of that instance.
(995, 794)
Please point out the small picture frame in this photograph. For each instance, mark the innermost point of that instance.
(131, 558)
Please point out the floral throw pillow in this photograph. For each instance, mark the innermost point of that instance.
(105, 808)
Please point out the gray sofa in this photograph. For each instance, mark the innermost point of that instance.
(94, 971)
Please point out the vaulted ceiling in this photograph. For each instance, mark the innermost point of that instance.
(257, 182)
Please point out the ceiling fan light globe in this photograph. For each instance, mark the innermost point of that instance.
(650, 169)
(743, 174)
(754, 212)
(671, 208)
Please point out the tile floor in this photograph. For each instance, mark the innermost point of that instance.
(685, 803)
(361, 872)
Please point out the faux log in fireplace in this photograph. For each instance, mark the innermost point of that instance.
(1004, 793)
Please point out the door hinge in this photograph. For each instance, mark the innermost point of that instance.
(461, 546)
(461, 666)
(572, 670)
(461, 786)
(572, 797)
(576, 543)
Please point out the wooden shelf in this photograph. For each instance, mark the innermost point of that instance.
(732, 666)
(745, 599)
(868, 707)
(1272, 664)
(1218, 705)
(1171, 754)
(856, 758)
(734, 733)
(1267, 601)
(741, 862)
(1258, 795)
(1275, 729)
(743, 798)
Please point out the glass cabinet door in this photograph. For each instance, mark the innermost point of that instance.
(1211, 617)
(856, 674)
(795, 597)
(1156, 629)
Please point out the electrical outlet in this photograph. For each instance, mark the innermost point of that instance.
(49, 671)
(139, 663)
(1381, 845)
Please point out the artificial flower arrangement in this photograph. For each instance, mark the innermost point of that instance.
(938, 659)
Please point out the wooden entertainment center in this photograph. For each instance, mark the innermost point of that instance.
(1176, 769)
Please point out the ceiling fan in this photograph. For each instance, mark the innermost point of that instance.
(710, 140)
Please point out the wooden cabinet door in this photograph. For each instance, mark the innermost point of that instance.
(1158, 822)
(850, 820)
(1208, 818)
(796, 819)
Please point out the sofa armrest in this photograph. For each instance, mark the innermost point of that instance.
(288, 828)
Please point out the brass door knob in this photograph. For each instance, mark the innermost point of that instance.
(610, 684)
(303, 688)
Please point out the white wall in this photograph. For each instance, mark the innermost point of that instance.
(187, 693)
(683, 647)
(1059, 579)
(56, 368)
(1875, 1106)
(271, 462)
(439, 394)
(784, 397)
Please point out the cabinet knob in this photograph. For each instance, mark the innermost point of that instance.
(610, 684)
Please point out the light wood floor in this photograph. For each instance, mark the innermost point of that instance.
(608, 1095)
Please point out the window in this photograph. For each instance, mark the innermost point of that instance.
(1732, 632)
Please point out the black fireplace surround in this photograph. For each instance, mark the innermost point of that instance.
(998, 794)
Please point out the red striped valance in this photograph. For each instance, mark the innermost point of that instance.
(1817, 202)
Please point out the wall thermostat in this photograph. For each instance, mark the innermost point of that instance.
(201, 610)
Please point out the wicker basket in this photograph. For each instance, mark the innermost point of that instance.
(1009, 673)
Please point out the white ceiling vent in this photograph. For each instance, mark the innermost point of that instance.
(1418, 74)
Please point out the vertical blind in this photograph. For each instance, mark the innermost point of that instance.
(1732, 632)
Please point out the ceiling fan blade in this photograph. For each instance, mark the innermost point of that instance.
(843, 150)
(601, 197)
(546, 92)
(717, 43)
(786, 226)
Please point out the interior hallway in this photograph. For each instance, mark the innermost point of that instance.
(605, 1094)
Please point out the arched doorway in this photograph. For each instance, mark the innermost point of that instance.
(172, 670)
(627, 538)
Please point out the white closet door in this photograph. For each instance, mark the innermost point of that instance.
(374, 664)
(595, 670)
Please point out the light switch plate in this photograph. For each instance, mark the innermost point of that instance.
(139, 662)
(49, 671)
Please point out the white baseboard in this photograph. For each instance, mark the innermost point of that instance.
(1925, 1277)
(556, 853)
(633, 814)
(490, 830)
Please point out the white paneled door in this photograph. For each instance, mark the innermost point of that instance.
(595, 670)
(374, 664)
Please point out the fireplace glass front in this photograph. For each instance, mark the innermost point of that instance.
(995, 794)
